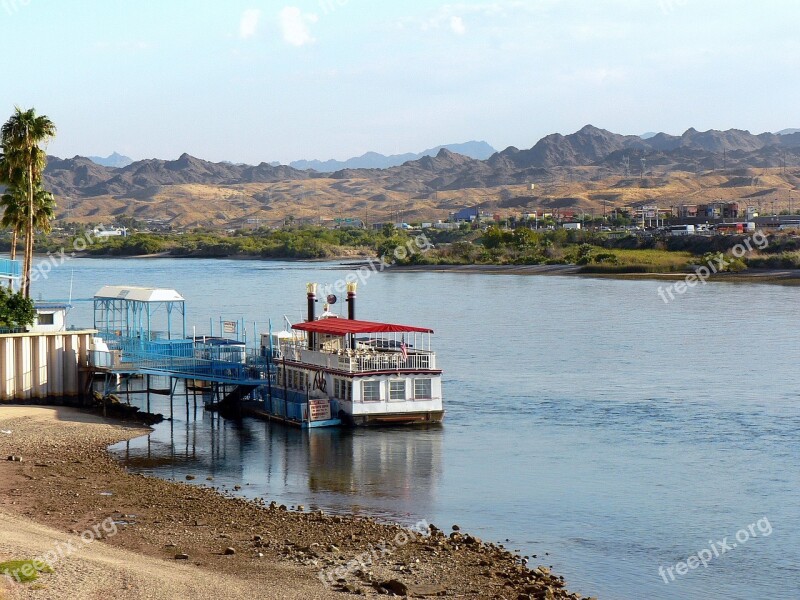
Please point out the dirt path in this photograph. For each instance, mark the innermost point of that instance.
(97, 570)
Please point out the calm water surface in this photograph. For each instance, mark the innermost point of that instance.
(585, 418)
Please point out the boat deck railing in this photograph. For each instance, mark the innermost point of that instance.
(361, 361)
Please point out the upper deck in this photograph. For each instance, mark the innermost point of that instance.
(332, 343)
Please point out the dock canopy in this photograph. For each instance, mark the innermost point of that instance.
(138, 294)
(351, 326)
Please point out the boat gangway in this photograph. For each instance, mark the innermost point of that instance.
(130, 343)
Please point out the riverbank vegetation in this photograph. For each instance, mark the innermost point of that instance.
(594, 251)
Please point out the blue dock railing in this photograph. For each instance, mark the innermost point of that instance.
(10, 269)
(183, 360)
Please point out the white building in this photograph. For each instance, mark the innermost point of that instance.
(50, 317)
(103, 232)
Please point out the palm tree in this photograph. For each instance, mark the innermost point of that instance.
(15, 213)
(21, 136)
(13, 202)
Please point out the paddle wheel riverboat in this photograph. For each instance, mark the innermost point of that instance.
(331, 370)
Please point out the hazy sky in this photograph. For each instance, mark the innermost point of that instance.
(258, 80)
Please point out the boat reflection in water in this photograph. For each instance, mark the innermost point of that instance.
(387, 473)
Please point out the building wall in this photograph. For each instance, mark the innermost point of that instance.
(44, 366)
(59, 320)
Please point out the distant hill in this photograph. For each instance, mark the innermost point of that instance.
(445, 169)
(190, 191)
(115, 160)
(80, 176)
(373, 160)
(788, 131)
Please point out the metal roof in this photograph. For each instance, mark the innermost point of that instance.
(138, 294)
(44, 305)
(348, 326)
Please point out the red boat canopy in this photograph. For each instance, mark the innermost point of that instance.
(348, 326)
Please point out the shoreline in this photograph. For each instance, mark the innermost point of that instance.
(774, 276)
(770, 276)
(70, 483)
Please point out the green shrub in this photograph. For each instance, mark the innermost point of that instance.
(16, 311)
(24, 571)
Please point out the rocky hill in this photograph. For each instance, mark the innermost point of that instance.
(80, 176)
(190, 191)
(374, 160)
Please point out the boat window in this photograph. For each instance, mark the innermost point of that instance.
(371, 391)
(397, 390)
(422, 389)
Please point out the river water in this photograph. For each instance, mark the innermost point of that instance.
(586, 419)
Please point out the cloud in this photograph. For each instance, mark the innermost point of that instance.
(295, 26)
(457, 25)
(249, 23)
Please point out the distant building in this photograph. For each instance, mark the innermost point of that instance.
(466, 215)
(446, 226)
(719, 210)
(348, 223)
(50, 317)
(571, 225)
(105, 232)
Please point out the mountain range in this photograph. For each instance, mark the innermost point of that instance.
(113, 160)
(183, 190)
(374, 160)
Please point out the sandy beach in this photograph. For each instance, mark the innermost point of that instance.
(108, 533)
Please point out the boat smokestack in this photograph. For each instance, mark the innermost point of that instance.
(351, 300)
(351, 309)
(311, 290)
